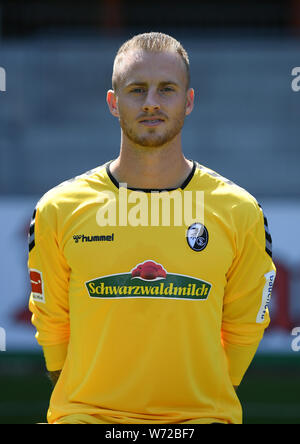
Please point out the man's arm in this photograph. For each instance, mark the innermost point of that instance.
(49, 275)
(247, 294)
(54, 376)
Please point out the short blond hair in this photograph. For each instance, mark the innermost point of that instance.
(152, 42)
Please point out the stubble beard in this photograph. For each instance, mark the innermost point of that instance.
(153, 139)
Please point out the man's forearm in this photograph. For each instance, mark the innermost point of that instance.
(54, 376)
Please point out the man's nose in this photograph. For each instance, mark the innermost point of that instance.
(151, 103)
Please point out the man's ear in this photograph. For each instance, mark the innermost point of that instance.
(189, 101)
(111, 100)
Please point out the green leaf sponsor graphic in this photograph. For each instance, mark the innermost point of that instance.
(174, 286)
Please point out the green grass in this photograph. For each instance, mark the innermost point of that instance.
(24, 389)
(270, 391)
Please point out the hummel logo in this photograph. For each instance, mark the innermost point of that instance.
(84, 238)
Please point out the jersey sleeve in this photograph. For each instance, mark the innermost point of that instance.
(49, 276)
(247, 294)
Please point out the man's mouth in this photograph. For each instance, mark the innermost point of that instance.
(151, 122)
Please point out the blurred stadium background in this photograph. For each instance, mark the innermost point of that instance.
(54, 124)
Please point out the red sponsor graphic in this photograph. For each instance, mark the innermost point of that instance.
(36, 282)
(149, 270)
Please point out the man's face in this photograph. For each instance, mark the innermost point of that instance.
(152, 100)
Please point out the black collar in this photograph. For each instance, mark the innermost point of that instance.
(148, 190)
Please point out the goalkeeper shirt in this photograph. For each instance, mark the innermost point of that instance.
(151, 316)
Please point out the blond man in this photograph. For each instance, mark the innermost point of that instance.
(142, 321)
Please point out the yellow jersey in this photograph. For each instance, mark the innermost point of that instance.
(152, 318)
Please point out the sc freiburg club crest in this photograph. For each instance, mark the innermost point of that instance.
(197, 237)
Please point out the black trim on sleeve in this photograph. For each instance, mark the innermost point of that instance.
(31, 235)
(268, 236)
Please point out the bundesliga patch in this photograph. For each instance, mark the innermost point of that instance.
(197, 237)
(148, 280)
(266, 296)
(37, 286)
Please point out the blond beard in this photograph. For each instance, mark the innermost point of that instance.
(150, 141)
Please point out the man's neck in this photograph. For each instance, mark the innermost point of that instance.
(151, 168)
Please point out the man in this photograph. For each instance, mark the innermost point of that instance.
(142, 320)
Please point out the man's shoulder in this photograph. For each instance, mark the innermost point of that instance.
(226, 192)
(73, 189)
(215, 181)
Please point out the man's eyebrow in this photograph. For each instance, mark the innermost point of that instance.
(169, 82)
(163, 83)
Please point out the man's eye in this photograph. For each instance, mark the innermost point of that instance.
(137, 90)
(142, 90)
(167, 89)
